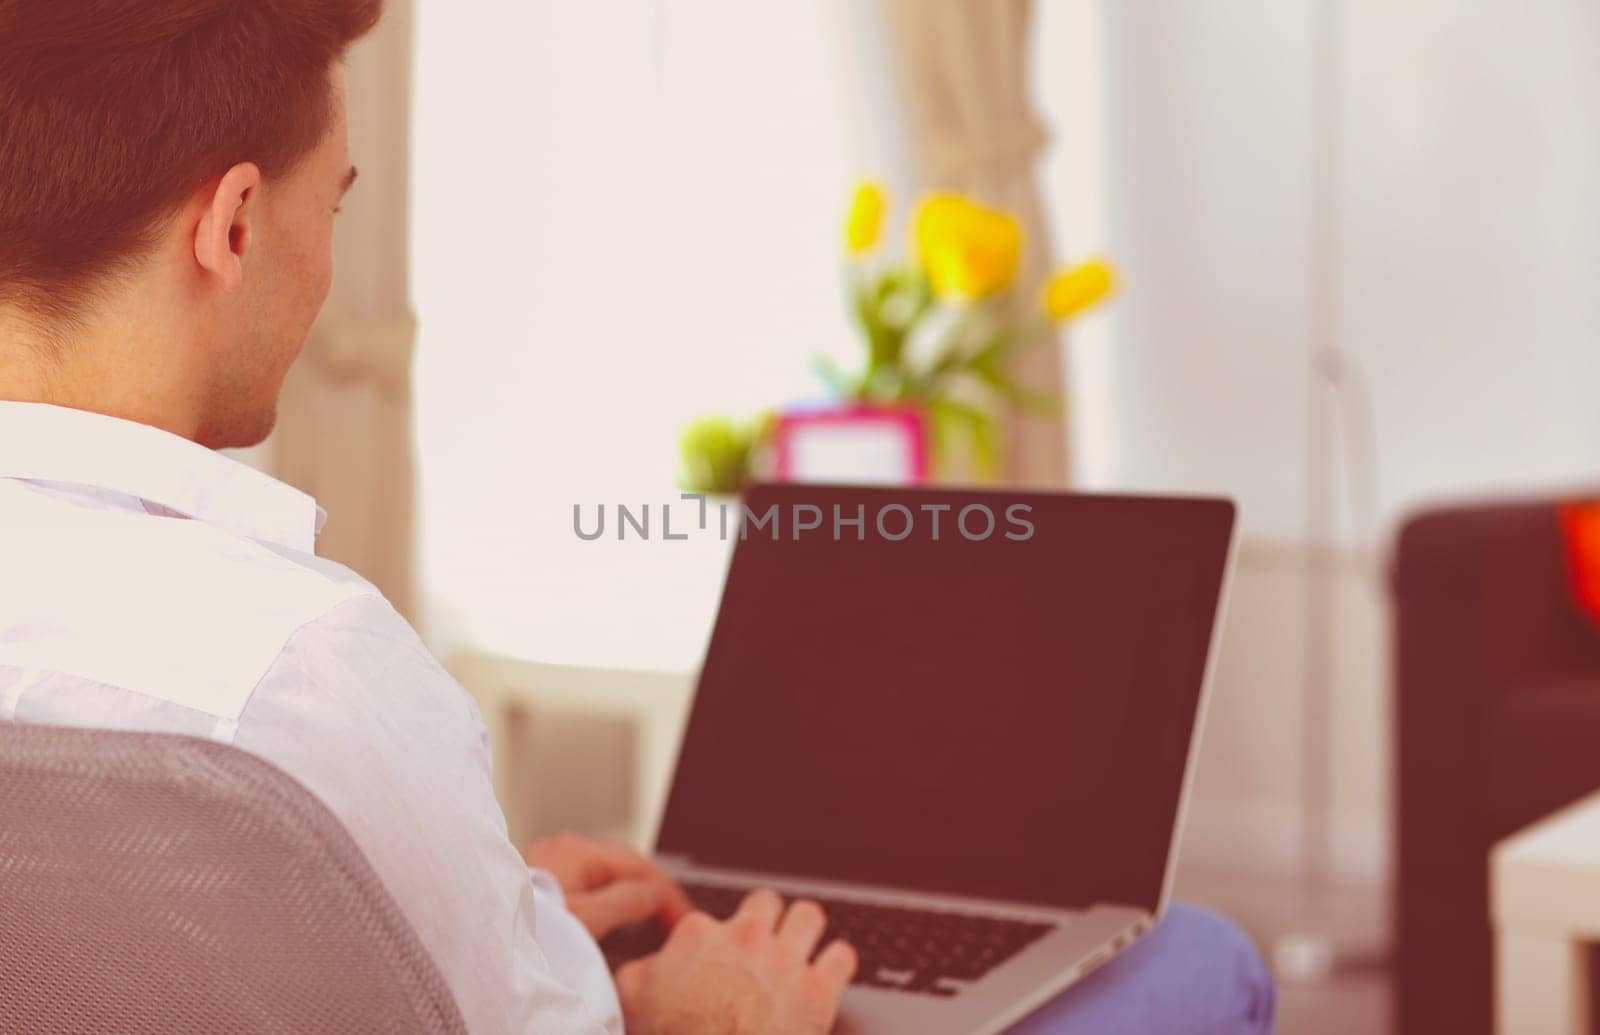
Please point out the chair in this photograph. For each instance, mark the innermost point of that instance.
(161, 883)
(1497, 725)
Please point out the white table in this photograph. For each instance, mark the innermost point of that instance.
(1544, 899)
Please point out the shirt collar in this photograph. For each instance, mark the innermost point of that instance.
(41, 442)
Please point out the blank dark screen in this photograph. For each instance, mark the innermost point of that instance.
(1008, 719)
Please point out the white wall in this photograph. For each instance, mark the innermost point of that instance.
(1473, 240)
(1469, 224)
(1246, 816)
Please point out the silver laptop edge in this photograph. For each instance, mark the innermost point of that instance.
(1202, 708)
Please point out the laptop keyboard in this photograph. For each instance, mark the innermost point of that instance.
(908, 950)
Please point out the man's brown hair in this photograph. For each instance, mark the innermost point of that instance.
(112, 112)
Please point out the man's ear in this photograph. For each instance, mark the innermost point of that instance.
(223, 234)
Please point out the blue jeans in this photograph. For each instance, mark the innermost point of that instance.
(1194, 974)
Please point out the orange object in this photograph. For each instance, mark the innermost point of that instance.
(1580, 532)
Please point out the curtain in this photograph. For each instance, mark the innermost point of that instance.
(344, 424)
(962, 68)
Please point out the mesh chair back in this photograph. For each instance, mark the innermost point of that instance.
(159, 883)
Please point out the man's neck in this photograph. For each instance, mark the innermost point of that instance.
(103, 366)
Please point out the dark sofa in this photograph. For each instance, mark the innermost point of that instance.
(1497, 724)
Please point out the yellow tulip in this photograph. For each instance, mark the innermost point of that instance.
(967, 250)
(1070, 291)
(865, 221)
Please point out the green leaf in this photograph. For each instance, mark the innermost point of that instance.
(952, 419)
(715, 453)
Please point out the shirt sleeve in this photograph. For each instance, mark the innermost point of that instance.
(362, 715)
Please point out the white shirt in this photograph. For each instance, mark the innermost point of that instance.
(152, 584)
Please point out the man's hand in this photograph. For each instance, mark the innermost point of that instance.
(608, 886)
(747, 976)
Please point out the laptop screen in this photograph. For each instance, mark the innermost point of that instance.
(979, 693)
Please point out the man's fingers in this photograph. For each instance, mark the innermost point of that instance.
(835, 966)
(674, 901)
(758, 912)
(801, 926)
(697, 926)
(629, 977)
(583, 865)
(616, 905)
(606, 862)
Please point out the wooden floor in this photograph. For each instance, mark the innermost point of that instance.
(1356, 998)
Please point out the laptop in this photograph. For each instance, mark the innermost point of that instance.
(963, 722)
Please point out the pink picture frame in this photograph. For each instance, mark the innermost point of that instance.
(852, 443)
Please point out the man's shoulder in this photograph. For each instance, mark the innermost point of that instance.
(179, 609)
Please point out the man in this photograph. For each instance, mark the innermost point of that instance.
(170, 172)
